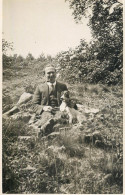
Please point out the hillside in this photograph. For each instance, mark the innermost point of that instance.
(74, 159)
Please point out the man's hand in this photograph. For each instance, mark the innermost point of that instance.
(47, 108)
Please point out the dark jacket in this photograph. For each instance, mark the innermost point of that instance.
(41, 95)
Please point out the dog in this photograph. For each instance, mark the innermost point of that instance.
(71, 108)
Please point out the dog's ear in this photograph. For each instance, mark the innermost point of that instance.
(67, 94)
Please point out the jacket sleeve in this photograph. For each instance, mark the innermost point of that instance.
(37, 100)
(37, 96)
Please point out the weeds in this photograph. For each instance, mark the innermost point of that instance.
(65, 163)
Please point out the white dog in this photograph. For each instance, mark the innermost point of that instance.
(71, 109)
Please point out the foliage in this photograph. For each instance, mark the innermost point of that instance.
(83, 66)
(6, 46)
(7, 60)
(9, 138)
(29, 57)
(41, 57)
(71, 162)
(65, 163)
(106, 47)
(18, 59)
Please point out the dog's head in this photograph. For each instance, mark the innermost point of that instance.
(65, 96)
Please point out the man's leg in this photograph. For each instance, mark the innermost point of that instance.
(48, 121)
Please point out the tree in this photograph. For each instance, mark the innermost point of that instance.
(106, 23)
(7, 61)
(6, 46)
(41, 57)
(29, 57)
(49, 58)
(19, 59)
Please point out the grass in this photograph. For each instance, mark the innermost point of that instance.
(66, 163)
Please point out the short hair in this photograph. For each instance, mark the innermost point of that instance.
(49, 68)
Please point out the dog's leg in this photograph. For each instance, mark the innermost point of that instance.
(70, 119)
(69, 114)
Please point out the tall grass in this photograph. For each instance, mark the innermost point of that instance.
(65, 163)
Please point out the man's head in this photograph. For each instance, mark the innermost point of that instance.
(50, 74)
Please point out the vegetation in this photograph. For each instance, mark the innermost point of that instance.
(101, 60)
(78, 159)
(106, 23)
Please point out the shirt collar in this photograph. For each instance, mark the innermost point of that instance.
(48, 83)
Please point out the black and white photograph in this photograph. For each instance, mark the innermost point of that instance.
(62, 97)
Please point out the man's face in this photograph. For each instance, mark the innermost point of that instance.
(50, 76)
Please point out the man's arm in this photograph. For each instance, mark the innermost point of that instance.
(37, 100)
(38, 108)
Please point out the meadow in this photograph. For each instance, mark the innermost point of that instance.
(74, 159)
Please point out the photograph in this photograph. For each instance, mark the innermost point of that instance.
(62, 97)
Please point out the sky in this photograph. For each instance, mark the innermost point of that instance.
(41, 26)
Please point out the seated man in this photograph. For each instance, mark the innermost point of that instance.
(47, 96)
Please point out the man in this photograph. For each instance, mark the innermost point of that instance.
(47, 95)
(47, 99)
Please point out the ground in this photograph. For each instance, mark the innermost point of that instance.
(73, 159)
